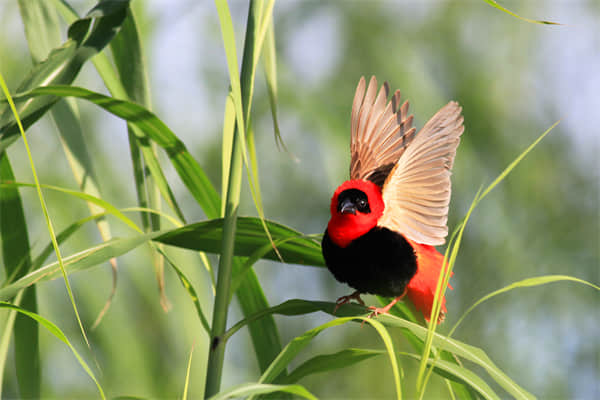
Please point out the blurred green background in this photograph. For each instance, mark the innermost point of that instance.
(514, 79)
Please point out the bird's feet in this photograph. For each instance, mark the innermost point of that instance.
(386, 309)
(346, 299)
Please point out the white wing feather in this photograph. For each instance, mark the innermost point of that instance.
(417, 191)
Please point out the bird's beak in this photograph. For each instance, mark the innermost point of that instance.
(347, 207)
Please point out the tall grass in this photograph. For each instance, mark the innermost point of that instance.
(239, 241)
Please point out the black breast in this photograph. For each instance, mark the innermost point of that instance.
(380, 262)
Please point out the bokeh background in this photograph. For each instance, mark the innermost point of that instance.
(514, 80)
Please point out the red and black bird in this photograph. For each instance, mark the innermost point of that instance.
(386, 219)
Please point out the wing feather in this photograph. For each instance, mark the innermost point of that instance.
(381, 131)
(417, 191)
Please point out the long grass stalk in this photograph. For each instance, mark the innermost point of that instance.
(220, 309)
(44, 208)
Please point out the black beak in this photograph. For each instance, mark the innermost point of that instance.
(347, 207)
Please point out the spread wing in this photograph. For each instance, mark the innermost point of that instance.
(381, 131)
(416, 193)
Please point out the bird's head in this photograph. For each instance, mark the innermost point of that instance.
(355, 208)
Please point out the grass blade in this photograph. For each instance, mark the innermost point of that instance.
(76, 262)
(494, 4)
(270, 66)
(389, 345)
(264, 334)
(329, 362)
(459, 374)
(187, 285)
(292, 349)
(127, 54)
(83, 196)
(227, 146)
(43, 34)
(187, 375)
(516, 161)
(232, 195)
(250, 295)
(452, 251)
(53, 329)
(186, 166)
(250, 238)
(250, 389)
(87, 37)
(354, 311)
(529, 282)
(44, 209)
(15, 251)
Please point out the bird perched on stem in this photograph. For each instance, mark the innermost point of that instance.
(386, 219)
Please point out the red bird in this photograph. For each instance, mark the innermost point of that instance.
(386, 219)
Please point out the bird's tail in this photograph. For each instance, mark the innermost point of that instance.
(421, 288)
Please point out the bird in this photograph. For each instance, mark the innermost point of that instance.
(388, 217)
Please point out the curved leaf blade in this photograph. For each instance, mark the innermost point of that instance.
(55, 330)
(85, 259)
(494, 4)
(250, 237)
(14, 241)
(87, 37)
(250, 389)
(187, 167)
(329, 362)
(468, 352)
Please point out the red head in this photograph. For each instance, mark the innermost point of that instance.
(355, 208)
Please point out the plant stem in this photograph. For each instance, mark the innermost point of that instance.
(221, 306)
(219, 322)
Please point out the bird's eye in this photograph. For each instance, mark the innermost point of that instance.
(362, 204)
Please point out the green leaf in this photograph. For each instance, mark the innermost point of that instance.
(463, 350)
(348, 357)
(291, 350)
(127, 53)
(87, 37)
(126, 50)
(15, 253)
(241, 92)
(55, 330)
(194, 178)
(389, 345)
(187, 285)
(529, 282)
(206, 236)
(43, 205)
(468, 352)
(250, 389)
(264, 334)
(42, 29)
(129, 60)
(186, 166)
(84, 196)
(227, 146)
(329, 362)
(459, 374)
(494, 4)
(270, 66)
(200, 236)
(187, 376)
(76, 262)
(453, 248)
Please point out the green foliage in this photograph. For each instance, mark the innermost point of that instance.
(169, 171)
